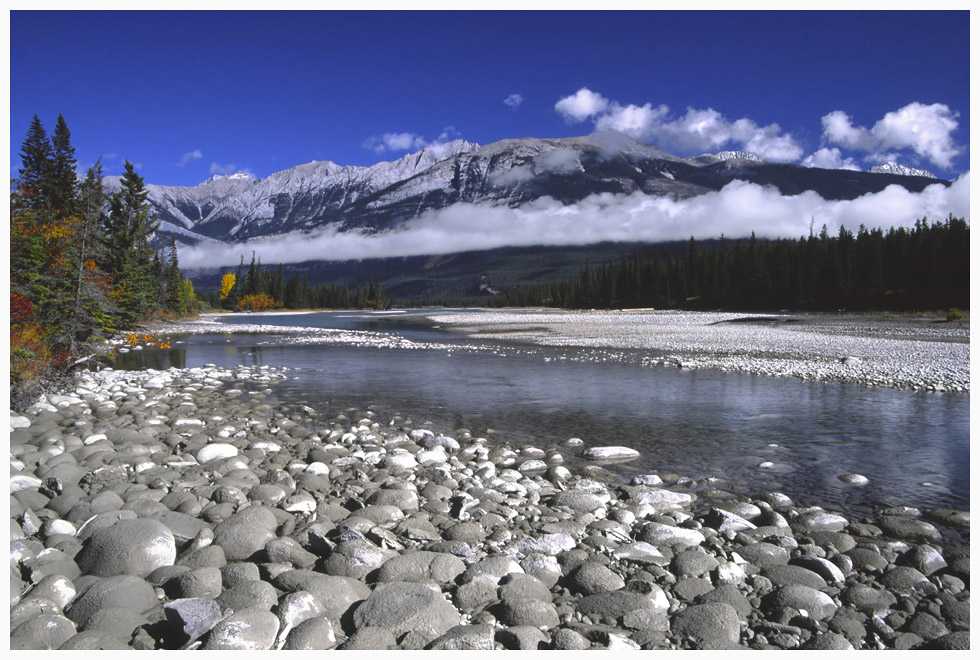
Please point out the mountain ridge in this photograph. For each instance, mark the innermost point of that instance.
(511, 172)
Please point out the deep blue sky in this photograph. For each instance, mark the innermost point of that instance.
(185, 94)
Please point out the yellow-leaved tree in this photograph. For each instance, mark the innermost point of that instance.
(227, 284)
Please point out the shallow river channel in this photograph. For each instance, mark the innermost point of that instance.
(912, 446)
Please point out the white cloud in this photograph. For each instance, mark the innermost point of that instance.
(190, 156)
(581, 105)
(925, 129)
(830, 159)
(513, 101)
(697, 131)
(737, 210)
(410, 141)
(218, 168)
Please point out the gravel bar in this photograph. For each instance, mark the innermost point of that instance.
(192, 509)
(907, 353)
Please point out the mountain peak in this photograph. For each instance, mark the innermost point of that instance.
(903, 170)
(237, 176)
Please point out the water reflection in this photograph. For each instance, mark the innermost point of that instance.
(696, 423)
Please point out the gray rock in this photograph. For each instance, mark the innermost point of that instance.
(909, 529)
(866, 560)
(528, 612)
(788, 574)
(196, 583)
(818, 520)
(578, 501)
(129, 547)
(817, 604)
(94, 640)
(494, 567)
(517, 585)
(288, 551)
(764, 554)
(337, 593)
(315, 634)
(612, 605)
(954, 641)
(356, 559)
(925, 559)
(690, 588)
(115, 621)
(542, 567)
(730, 595)
(464, 638)
(475, 594)
(693, 563)
(905, 580)
(401, 607)
(257, 594)
(522, 638)
(245, 533)
(591, 578)
(926, 626)
(866, 598)
(828, 641)
(423, 565)
(566, 639)
(251, 629)
(294, 609)
(403, 498)
(827, 570)
(48, 631)
(710, 622)
(660, 535)
(192, 617)
(371, 638)
(125, 591)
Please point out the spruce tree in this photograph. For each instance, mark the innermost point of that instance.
(63, 185)
(128, 256)
(35, 174)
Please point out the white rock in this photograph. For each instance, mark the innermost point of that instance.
(853, 479)
(20, 482)
(19, 422)
(215, 450)
(609, 453)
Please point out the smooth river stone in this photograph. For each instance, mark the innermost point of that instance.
(609, 453)
(215, 450)
(129, 547)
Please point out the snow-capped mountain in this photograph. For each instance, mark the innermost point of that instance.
(509, 172)
(902, 170)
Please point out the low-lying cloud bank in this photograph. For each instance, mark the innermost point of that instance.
(735, 211)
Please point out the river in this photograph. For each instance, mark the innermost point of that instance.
(912, 446)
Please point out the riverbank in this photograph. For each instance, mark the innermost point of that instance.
(877, 351)
(194, 509)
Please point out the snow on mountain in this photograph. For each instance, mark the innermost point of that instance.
(510, 172)
(903, 170)
(721, 156)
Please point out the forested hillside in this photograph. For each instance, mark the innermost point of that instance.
(81, 265)
(923, 267)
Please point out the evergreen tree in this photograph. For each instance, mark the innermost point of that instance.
(128, 257)
(35, 174)
(63, 185)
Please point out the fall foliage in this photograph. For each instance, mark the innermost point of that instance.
(81, 263)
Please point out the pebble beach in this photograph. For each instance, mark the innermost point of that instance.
(195, 509)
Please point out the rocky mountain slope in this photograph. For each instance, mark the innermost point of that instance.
(509, 172)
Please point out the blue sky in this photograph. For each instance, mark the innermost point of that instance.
(184, 95)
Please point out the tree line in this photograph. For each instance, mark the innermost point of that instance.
(256, 288)
(81, 264)
(926, 266)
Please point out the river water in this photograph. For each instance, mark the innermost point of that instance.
(912, 446)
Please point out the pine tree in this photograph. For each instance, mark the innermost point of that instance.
(35, 173)
(128, 256)
(63, 185)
